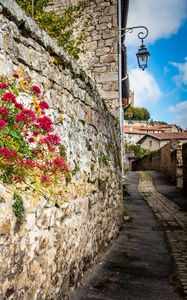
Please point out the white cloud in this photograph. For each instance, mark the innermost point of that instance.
(162, 17)
(181, 78)
(166, 70)
(180, 111)
(144, 86)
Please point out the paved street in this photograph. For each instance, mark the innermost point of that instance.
(169, 190)
(173, 219)
(138, 266)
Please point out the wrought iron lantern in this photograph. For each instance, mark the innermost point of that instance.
(143, 53)
(142, 57)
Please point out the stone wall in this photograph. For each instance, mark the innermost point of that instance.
(46, 255)
(184, 157)
(100, 48)
(167, 159)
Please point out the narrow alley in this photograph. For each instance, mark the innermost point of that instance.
(149, 258)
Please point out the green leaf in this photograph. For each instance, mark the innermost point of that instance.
(1, 144)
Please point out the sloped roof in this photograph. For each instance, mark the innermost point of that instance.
(151, 127)
(133, 131)
(166, 136)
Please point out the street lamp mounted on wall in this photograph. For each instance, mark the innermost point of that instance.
(143, 53)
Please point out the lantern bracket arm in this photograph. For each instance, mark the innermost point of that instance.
(141, 35)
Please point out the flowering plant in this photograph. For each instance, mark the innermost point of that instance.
(31, 154)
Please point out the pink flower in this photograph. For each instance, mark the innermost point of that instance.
(4, 111)
(37, 152)
(94, 19)
(45, 178)
(8, 153)
(35, 133)
(31, 140)
(36, 89)
(28, 162)
(3, 123)
(43, 105)
(51, 139)
(61, 164)
(45, 123)
(3, 85)
(9, 97)
(18, 105)
(26, 133)
(27, 115)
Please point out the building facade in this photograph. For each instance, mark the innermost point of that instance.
(158, 140)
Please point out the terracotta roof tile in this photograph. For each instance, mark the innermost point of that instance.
(133, 131)
(170, 135)
(143, 127)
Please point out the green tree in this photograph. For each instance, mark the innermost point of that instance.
(137, 113)
(136, 151)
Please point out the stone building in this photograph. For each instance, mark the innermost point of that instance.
(158, 140)
(99, 57)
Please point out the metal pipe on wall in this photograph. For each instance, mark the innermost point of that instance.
(121, 116)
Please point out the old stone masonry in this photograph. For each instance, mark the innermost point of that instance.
(173, 222)
(45, 256)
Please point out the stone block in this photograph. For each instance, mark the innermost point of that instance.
(110, 95)
(91, 46)
(101, 27)
(108, 58)
(105, 19)
(111, 42)
(96, 37)
(5, 227)
(100, 70)
(109, 33)
(110, 76)
(102, 51)
(111, 10)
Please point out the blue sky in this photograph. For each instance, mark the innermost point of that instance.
(162, 87)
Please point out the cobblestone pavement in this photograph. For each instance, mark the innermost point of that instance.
(137, 266)
(174, 223)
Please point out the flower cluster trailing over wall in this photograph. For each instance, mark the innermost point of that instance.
(32, 156)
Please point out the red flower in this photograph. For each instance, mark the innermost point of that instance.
(31, 140)
(27, 115)
(18, 178)
(28, 162)
(37, 151)
(15, 75)
(51, 139)
(9, 97)
(45, 178)
(3, 123)
(26, 133)
(36, 89)
(60, 163)
(18, 105)
(35, 133)
(43, 105)
(45, 123)
(3, 85)
(4, 111)
(8, 153)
